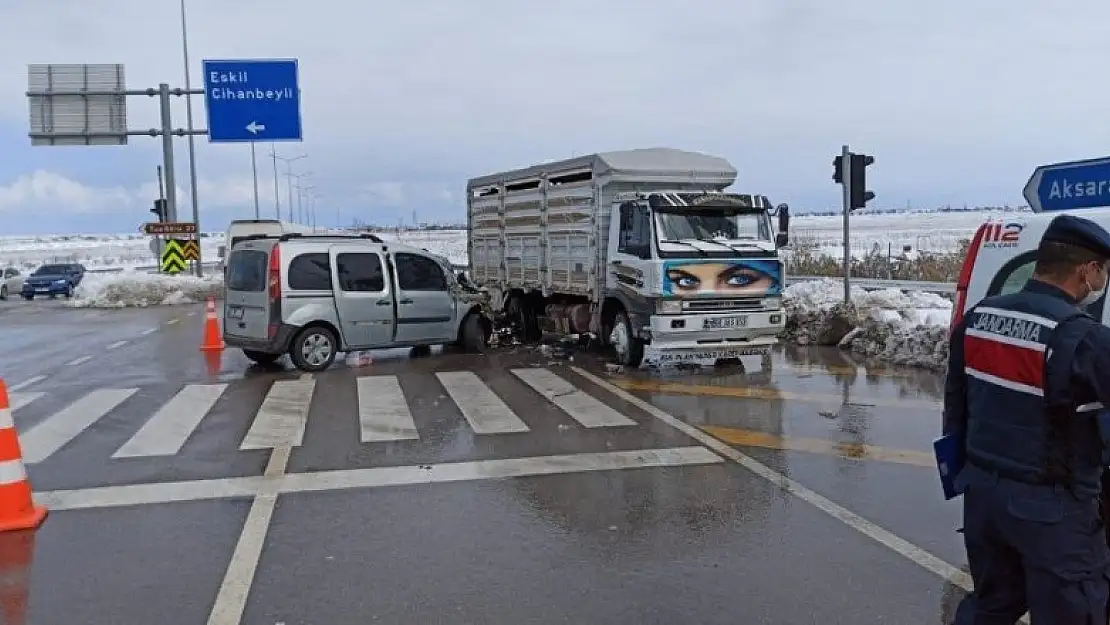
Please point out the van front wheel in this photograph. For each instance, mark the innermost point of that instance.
(313, 349)
(474, 339)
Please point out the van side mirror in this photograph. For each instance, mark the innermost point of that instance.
(782, 239)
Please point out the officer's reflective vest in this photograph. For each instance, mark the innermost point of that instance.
(1026, 420)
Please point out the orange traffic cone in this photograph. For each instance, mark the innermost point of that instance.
(17, 510)
(212, 339)
(17, 550)
(213, 362)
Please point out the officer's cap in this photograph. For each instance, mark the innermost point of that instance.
(1079, 232)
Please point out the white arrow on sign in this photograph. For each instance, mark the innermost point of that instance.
(255, 127)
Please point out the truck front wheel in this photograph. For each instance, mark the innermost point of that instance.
(629, 349)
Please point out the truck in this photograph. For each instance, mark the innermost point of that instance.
(643, 249)
(241, 229)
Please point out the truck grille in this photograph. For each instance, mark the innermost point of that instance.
(723, 305)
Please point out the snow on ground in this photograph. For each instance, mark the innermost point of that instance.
(138, 289)
(95, 251)
(888, 325)
(888, 233)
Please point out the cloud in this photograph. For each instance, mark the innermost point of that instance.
(402, 103)
(60, 194)
(389, 194)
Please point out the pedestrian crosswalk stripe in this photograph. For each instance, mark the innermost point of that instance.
(383, 412)
(19, 400)
(479, 405)
(41, 441)
(281, 419)
(166, 432)
(583, 408)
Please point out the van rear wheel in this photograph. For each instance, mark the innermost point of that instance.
(313, 349)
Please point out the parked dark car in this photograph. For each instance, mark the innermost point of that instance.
(53, 280)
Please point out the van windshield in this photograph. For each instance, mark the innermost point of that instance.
(246, 270)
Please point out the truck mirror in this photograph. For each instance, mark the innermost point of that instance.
(784, 217)
(782, 239)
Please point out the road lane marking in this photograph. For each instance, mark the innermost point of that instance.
(19, 400)
(844, 370)
(41, 441)
(117, 344)
(583, 408)
(148, 331)
(479, 405)
(758, 392)
(291, 483)
(281, 419)
(383, 411)
(173, 321)
(28, 382)
(231, 600)
(78, 361)
(854, 451)
(890, 540)
(166, 432)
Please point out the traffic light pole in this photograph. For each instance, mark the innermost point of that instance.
(846, 186)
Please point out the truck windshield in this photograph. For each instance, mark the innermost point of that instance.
(710, 224)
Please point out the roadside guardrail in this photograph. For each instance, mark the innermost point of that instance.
(873, 284)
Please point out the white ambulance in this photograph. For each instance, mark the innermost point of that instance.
(1002, 253)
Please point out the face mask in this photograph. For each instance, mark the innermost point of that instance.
(1094, 295)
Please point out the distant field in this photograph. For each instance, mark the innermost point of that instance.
(922, 232)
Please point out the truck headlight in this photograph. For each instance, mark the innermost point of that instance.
(772, 303)
(668, 307)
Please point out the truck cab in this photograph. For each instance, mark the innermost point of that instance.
(696, 274)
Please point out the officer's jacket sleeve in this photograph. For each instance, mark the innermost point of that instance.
(955, 387)
(1092, 362)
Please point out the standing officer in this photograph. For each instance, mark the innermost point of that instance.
(1028, 373)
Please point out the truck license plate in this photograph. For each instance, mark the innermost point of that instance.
(721, 323)
(235, 312)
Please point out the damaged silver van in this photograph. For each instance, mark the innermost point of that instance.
(313, 296)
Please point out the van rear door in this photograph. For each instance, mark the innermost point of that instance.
(247, 300)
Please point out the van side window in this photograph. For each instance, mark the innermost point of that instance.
(417, 273)
(1013, 275)
(360, 272)
(310, 272)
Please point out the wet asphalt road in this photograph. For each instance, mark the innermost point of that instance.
(264, 496)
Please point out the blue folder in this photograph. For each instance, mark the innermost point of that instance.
(949, 451)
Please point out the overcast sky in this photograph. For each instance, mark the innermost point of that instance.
(402, 102)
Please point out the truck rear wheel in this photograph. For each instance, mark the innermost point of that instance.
(629, 349)
(522, 312)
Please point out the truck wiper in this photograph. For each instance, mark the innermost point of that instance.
(687, 243)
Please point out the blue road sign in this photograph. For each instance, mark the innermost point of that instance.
(252, 100)
(1066, 186)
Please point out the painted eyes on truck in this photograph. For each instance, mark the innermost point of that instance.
(720, 277)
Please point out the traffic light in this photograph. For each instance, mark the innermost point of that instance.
(159, 209)
(858, 183)
(838, 170)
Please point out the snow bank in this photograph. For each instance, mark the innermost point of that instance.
(887, 325)
(128, 290)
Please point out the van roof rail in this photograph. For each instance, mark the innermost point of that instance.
(300, 235)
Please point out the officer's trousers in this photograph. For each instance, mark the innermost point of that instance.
(1035, 548)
